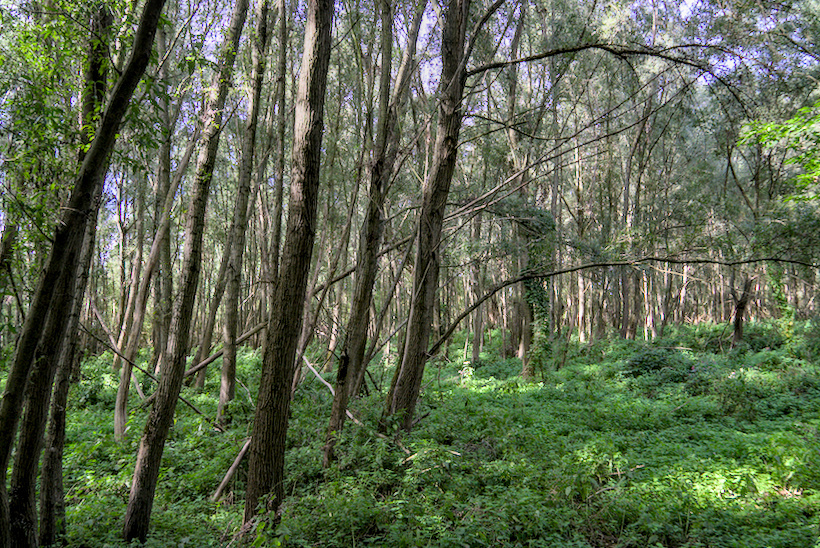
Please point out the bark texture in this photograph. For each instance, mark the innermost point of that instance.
(67, 242)
(351, 361)
(149, 456)
(267, 450)
(407, 380)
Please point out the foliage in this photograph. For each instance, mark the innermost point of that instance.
(800, 137)
(629, 444)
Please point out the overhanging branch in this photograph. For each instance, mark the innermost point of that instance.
(604, 264)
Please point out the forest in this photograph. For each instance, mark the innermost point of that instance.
(501, 273)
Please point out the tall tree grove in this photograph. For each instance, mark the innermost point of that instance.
(344, 189)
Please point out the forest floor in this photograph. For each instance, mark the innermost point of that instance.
(679, 442)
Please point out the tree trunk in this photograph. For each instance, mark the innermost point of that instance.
(405, 391)
(52, 500)
(22, 496)
(240, 212)
(146, 472)
(267, 450)
(141, 301)
(740, 310)
(52, 503)
(66, 245)
(281, 126)
(163, 288)
(351, 362)
(476, 290)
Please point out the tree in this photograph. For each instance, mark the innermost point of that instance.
(267, 449)
(406, 384)
(152, 443)
(240, 214)
(64, 257)
(56, 359)
(350, 372)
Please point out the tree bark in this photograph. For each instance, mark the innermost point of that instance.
(163, 288)
(740, 310)
(149, 456)
(240, 213)
(67, 243)
(405, 391)
(267, 450)
(52, 500)
(351, 361)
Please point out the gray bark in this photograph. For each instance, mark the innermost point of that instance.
(149, 456)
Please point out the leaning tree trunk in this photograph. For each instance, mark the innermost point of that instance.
(267, 449)
(407, 381)
(740, 310)
(52, 500)
(51, 357)
(163, 288)
(240, 213)
(272, 268)
(67, 243)
(155, 256)
(351, 362)
(146, 472)
(22, 494)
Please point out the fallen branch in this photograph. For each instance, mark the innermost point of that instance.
(213, 357)
(231, 471)
(604, 264)
(350, 415)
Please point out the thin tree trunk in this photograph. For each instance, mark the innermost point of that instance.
(281, 121)
(240, 213)
(163, 288)
(52, 499)
(154, 256)
(267, 450)
(209, 324)
(146, 472)
(351, 362)
(67, 243)
(407, 380)
(476, 290)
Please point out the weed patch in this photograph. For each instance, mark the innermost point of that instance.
(672, 444)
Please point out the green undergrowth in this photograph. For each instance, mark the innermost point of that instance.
(677, 443)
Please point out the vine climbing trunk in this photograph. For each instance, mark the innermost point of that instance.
(740, 310)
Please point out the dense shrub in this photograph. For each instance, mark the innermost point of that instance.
(629, 444)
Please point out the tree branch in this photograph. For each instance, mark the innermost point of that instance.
(605, 264)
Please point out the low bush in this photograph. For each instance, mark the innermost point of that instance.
(673, 444)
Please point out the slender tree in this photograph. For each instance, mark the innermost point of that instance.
(406, 383)
(149, 456)
(267, 449)
(351, 361)
(64, 257)
(240, 213)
